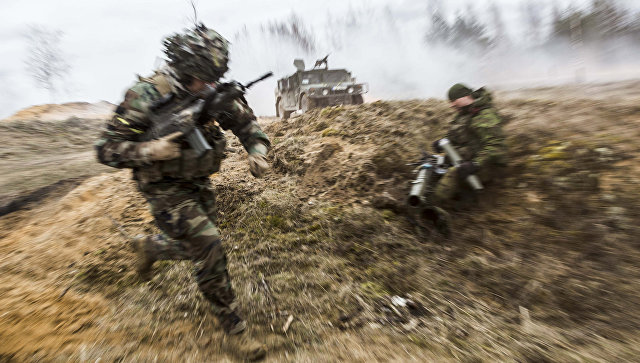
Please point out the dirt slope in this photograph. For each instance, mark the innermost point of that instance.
(46, 150)
(54, 112)
(543, 269)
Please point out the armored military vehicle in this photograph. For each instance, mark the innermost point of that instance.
(317, 87)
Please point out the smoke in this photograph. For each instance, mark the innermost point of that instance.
(417, 50)
(498, 43)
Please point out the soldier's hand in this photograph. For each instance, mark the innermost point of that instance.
(465, 169)
(164, 148)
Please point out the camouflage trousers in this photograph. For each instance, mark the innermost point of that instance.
(185, 211)
(447, 188)
(450, 187)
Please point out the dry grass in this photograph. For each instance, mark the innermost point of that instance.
(543, 269)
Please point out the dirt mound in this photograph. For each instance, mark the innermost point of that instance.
(544, 268)
(36, 154)
(54, 112)
(354, 153)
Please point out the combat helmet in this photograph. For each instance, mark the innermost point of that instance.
(199, 52)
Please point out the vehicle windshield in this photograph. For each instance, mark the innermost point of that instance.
(311, 78)
(325, 77)
(338, 76)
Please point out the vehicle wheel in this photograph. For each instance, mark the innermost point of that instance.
(306, 103)
(357, 100)
(281, 112)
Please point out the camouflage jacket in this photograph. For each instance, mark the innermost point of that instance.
(477, 132)
(120, 144)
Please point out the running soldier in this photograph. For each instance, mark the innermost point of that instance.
(174, 179)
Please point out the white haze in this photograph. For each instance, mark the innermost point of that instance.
(380, 41)
(385, 47)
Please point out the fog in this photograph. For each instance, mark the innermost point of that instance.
(382, 42)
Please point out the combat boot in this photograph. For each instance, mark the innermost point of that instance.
(443, 222)
(239, 344)
(232, 323)
(440, 218)
(144, 257)
(244, 347)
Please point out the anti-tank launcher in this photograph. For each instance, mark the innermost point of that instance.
(431, 168)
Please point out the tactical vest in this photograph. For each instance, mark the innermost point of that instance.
(188, 166)
(461, 137)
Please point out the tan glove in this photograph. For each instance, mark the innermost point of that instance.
(163, 148)
(258, 164)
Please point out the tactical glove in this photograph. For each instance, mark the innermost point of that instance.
(258, 164)
(163, 148)
(465, 169)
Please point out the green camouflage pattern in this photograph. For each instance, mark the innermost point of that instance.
(476, 133)
(186, 214)
(183, 207)
(120, 145)
(447, 188)
(198, 52)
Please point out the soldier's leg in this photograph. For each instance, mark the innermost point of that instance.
(180, 215)
(442, 193)
(162, 247)
(446, 189)
(208, 199)
(453, 193)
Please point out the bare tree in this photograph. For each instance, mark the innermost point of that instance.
(46, 62)
(533, 13)
(439, 31)
(604, 20)
(294, 30)
(466, 32)
(501, 38)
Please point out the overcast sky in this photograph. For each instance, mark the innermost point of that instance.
(108, 42)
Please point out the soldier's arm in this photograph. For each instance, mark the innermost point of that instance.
(119, 145)
(239, 118)
(487, 127)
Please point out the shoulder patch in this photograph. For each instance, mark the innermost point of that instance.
(141, 96)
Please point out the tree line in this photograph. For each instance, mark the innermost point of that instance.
(601, 21)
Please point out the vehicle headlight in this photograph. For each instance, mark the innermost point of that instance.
(325, 92)
(350, 90)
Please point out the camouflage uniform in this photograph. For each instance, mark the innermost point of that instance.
(476, 133)
(179, 191)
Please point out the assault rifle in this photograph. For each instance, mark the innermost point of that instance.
(194, 111)
(433, 167)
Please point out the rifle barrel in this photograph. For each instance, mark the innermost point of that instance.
(262, 78)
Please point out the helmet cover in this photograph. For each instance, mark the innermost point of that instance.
(200, 52)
